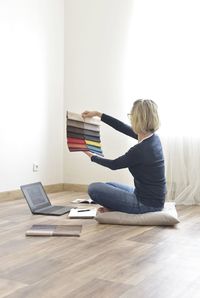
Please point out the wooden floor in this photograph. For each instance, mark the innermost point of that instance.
(106, 261)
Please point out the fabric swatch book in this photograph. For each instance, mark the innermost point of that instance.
(54, 230)
(82, 213)
(83, 134)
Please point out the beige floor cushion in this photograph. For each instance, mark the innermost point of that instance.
(166, 217)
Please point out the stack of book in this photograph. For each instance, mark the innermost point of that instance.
(54, 230)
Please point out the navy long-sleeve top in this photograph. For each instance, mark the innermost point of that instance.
(145, 162)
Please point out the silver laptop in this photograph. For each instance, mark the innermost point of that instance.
(38, 200)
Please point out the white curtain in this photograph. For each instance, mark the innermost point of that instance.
(162, 62)
(182, 155)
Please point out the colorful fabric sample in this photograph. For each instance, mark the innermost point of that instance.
(85, 125)
(96, 144)
(83, 134)
(80, 136)
(80, 130)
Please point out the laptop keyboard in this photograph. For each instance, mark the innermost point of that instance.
(52, 208)
(56, 208)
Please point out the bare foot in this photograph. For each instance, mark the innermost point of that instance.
(103, 209)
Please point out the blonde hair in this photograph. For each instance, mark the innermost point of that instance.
(144, 116)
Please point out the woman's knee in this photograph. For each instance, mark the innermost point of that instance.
(93, 188)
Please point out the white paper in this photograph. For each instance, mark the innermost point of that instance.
(83, 201)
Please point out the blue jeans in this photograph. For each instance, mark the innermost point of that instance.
(117, 197)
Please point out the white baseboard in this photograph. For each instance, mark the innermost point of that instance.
(17, 194)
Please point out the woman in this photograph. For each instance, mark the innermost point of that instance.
(145, 162)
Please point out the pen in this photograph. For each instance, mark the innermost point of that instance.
(82, 210)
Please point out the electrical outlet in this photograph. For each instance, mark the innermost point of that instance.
(35, 167)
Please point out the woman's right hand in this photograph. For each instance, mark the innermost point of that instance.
(90, 114)
(88, 153)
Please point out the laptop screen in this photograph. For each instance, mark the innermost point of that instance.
(35, 195)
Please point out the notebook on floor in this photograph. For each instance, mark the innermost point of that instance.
(82, 213)
(39, 202)
(83, 201)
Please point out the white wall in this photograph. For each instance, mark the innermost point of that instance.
(31, 92)
(95, 40)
